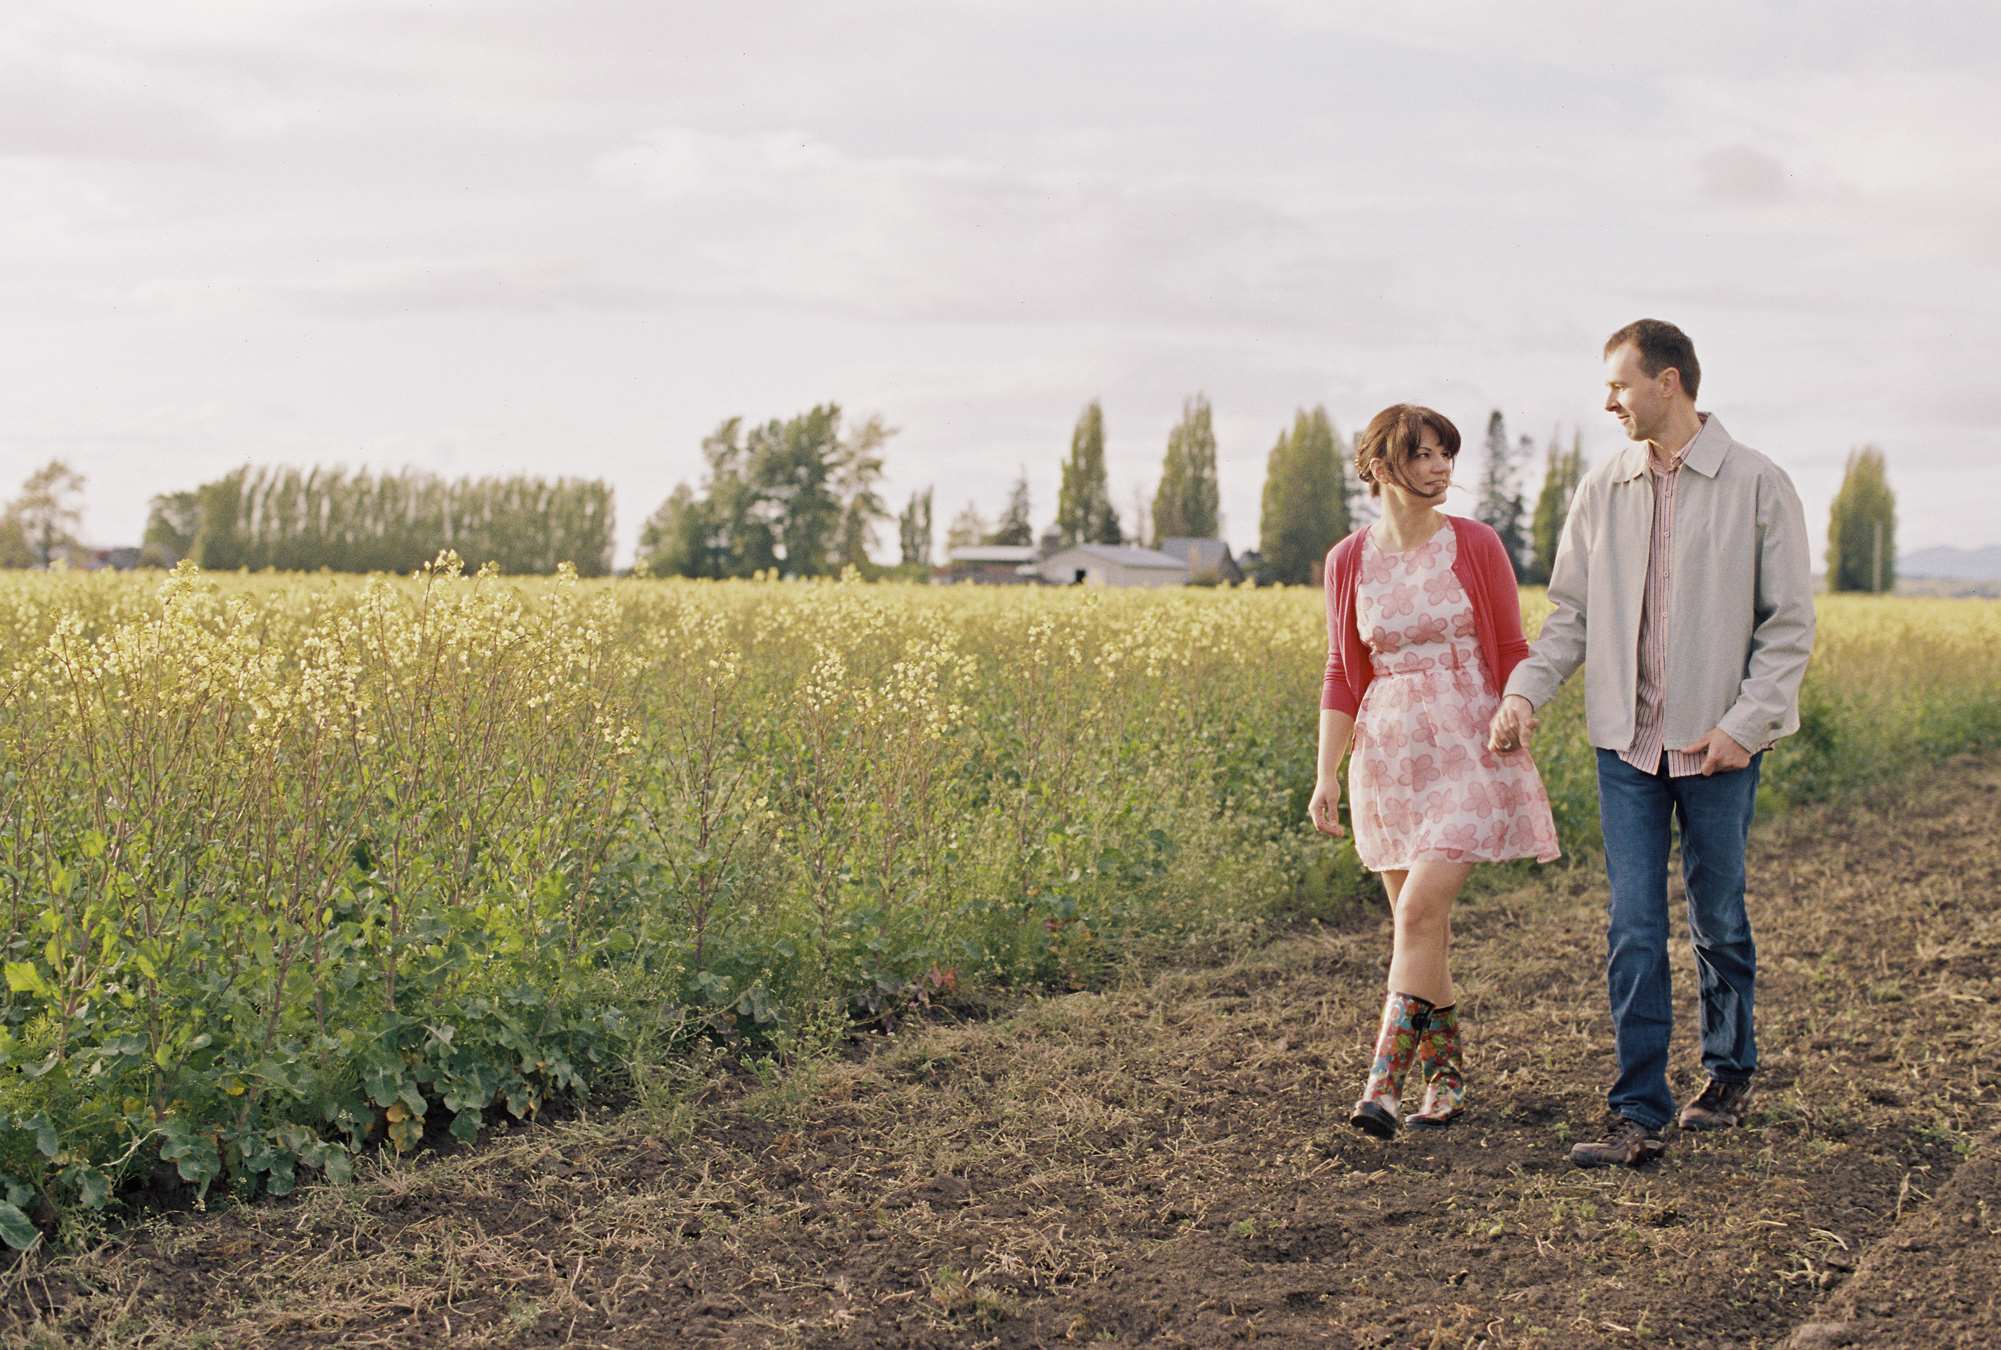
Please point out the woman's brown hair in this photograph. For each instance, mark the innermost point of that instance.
(1393, 436)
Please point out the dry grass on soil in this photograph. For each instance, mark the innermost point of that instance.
(1165, 1164)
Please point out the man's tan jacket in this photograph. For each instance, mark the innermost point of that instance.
(1740, 626)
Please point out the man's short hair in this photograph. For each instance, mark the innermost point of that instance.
(1393, 436)
(1660, 345)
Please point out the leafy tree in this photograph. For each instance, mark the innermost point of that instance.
(1142, 513)
(1187, 502)
(1500, 501)
(1564, 471)
(968, 527)
(1084, 513)
(1862, 527)
(172, 526)
(793, 494)
(14, 550)
(214, 543)
(913, 529)
(1306, 509)
(793, 466)
(49, 511)
(675, 539)
(1016, 526)
(860, 469)
(728, 520)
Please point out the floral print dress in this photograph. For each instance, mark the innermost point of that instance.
(1422, 785)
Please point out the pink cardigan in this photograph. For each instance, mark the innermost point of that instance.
(1489, 581)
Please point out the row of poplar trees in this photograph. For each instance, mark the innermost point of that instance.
(1186, 504)
(1311, 497)
(305, 520)
(1861, 528)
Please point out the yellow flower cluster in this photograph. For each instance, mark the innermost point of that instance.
(806, 751)
(252, 735)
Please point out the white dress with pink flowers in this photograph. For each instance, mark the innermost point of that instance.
(1422, 785)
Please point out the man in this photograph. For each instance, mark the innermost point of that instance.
(1681, 584)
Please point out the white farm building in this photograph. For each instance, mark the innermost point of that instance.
(1111, 565)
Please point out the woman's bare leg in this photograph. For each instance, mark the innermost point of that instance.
(1421, 899)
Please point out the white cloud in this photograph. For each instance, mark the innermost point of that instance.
(1728, 38)
(1569, 34)
(54, 105)
(1739, 174)
(400, 286)
(990, 212)
(790, 217)
(1894, 164)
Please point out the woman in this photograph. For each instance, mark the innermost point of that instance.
(1423, 626)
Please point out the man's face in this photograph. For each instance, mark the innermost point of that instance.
(1641, 402)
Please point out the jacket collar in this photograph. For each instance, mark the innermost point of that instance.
(1705, 453)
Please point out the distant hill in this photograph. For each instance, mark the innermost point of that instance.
(1951, 588)
(1961, 564)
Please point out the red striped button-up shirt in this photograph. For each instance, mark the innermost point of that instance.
(1644, 753)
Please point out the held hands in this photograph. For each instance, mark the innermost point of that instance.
(1323, 809)
(1513, 726)
(1720, 753)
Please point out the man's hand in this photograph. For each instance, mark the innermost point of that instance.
(1323, 809)
(1719, 753)
(1513, 726)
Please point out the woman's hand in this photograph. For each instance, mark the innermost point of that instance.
(1513, 726)
(1324, 807)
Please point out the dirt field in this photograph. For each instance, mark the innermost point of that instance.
(1167, 1163)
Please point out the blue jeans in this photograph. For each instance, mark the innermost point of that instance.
(1715, 818)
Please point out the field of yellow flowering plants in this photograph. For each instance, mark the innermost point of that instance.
(295, 865)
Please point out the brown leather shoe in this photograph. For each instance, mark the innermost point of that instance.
(1718, 1108)
(1625, 1143)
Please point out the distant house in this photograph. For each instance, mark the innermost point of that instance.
(1208, 560)
(988, 565)
(78, 558)
(1111, 565)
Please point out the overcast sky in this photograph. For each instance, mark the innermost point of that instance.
(570, 238)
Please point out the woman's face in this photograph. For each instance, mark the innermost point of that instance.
(1426, 474)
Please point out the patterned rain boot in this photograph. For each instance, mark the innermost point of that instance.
(1441, 1062)
(1404, 1021)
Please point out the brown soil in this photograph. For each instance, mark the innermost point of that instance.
(1167, 1163)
